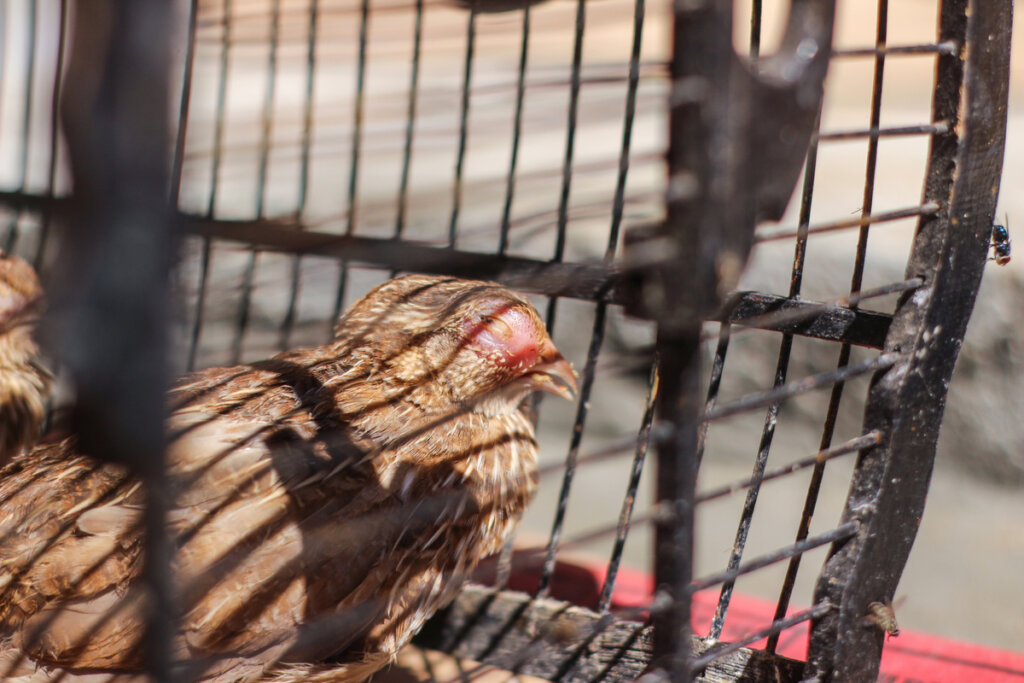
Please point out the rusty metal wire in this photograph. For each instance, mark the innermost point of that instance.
(351, 163)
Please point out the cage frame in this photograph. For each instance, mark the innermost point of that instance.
(890, 484)
(919, 346)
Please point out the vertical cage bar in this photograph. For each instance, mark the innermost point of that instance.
(517, 129)
(600, 311)
(24, 134)
(771, 418)
(582, 408)
(756, 12)
(570, 129)
(714, 384)
(676, 437)
(3, 47)
(618, 204)
(288, 324)
(575, 82)
(460, 154)
(184, 102)
(51, 174)
(632, 85)
(113, 318)
(677, 290)
(781, 372)
(410, 120)
(358, 108)
(215, 160)
(628, 502)
(836, 395)
(881, 32)
(750, 501)
(266, 128)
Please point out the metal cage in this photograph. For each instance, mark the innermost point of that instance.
(577, 151)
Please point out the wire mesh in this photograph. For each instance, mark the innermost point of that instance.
(323, 146)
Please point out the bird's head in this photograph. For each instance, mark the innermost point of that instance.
(473, 342)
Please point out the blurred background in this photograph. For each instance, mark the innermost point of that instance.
(267, 140)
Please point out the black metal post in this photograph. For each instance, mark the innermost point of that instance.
(111, 299)
(718, 185)
(675, 434)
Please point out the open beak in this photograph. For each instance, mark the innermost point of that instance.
(553, 374)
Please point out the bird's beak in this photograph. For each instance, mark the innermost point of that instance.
(553, 374)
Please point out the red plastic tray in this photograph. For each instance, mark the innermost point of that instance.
(909, 657)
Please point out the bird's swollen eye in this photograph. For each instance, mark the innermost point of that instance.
(507, 335)
(498, 328)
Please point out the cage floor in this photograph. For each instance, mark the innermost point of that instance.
(913, 655)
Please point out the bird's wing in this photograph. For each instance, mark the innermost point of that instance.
(47, 556)
(249, 466)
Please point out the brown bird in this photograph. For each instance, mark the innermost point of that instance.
(325, 502)
(24, 383)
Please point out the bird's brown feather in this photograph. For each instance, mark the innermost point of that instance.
(24, 383)
(325, 503)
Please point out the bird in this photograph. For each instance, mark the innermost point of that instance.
(324, 503)
(24, 382)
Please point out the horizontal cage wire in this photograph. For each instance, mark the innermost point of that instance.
(325, 146)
